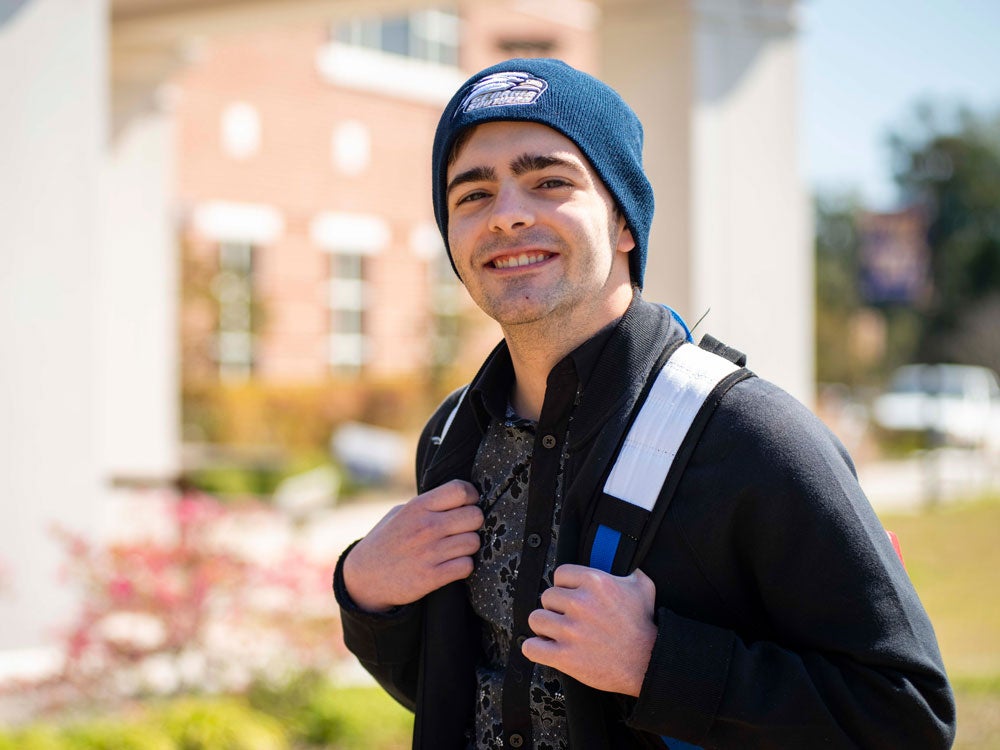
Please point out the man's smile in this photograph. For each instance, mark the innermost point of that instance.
(516, 260)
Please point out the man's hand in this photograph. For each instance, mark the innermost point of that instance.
(416, 548)
(596, 627)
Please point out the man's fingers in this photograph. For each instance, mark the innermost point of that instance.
(547, 624)
(645, 583)
(453, 570)
(556, 599)
(422, 527)
(460, 520)
(542, 651)
(450, 495)
(569, 576)
(460, 545)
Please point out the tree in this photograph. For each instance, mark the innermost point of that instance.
(837, 297)
(950, 165)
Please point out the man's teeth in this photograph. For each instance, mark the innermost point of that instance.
(524, 259)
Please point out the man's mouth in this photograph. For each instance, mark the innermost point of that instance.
(521, 259)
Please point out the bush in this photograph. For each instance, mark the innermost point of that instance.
(300, 418)
(223, 724)
(107, 734)
(32, 738)
(364, 718)
(320, 714)
(192, 612)
(305, 711)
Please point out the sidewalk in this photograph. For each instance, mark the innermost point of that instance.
(942, 476)
(904, 485)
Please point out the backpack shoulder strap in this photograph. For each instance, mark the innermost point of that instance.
(656, 448)
(712, 344)
(434, 432)
(439, 438)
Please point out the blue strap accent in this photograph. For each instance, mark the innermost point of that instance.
(602, 557)
(602, 554)
(673, 744)
(676, 316)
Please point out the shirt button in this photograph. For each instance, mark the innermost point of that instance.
(534, 541)
(549, 441)
(520, 641)
(516, 740)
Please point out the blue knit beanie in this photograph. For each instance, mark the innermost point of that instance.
(587, 111)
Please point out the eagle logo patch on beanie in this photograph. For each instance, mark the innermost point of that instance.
(503, 89)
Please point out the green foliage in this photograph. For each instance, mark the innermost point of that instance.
(298, 417)
(950, 165)
(235, 478)
(836, 288)
(319, 714)
(840, 311)
(222, 724)
(32, 738)
(370, 718)
(948, 168)
(228, 480)
(114, 735)
(305, 711)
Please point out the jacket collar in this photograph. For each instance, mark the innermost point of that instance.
(612, 367)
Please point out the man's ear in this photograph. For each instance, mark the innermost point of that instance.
(626, 243)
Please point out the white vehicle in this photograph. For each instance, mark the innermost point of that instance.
(962, 402)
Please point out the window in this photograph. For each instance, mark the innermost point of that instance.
(412, 56)
(240, 130)
(233, 290)
(446, 293)
(347, 303)
(430, 35)
(527, 47)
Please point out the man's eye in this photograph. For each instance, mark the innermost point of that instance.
(470, 197)
(553, 182)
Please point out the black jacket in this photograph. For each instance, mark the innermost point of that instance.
(785, 617)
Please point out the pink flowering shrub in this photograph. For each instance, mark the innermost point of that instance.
(194, 611)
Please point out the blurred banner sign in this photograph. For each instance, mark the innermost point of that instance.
(894, 258)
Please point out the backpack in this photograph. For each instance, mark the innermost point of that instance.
(677, 402)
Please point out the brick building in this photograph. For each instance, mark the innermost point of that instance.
(302, 184)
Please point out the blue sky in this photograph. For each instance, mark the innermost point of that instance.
(864, 63)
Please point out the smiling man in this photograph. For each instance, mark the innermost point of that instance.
(622, 540)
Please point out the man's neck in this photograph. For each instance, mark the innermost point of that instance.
(535, 349)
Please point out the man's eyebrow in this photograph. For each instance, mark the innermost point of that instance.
(534, 162)
(476, 174)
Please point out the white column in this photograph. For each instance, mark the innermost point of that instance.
(137, 303)
(714, 82)
(54, 81)
(751, 252)
(646, 54)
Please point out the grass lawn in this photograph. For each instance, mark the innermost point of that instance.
(952, 554)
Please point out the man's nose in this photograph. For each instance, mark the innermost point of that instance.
(511, 209)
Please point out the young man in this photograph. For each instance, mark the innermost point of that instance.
(767, 609)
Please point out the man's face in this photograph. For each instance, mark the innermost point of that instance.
(532, 229)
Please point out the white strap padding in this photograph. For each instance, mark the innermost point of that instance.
(664, 419)
(437, 439)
